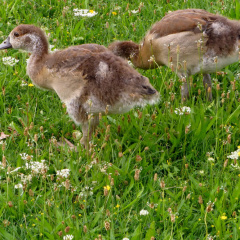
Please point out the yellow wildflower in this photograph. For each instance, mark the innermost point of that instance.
(30, 85)
(107, 187)
(91, 11)
(223, 217)
(114, 13)
(117, 206)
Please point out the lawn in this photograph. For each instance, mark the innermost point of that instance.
(168, 171)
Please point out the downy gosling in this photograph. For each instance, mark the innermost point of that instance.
(188, 41)
(88, 78)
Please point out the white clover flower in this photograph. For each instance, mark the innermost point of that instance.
(135, 11)
(210, 159)
(63, 173)
(125, 238)
(144, 212)
(18, 186)
(9, 61)
(68, 237)
(23, 84)
(183, 110)
(37, 167)
(234, 155)
(25, 156)
(84, 12)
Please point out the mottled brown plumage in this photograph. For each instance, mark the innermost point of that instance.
(189, 41)
(88, 78)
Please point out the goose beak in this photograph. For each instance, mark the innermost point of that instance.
(6, 44)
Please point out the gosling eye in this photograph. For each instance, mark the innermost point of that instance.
(16, 34)
(144, 87)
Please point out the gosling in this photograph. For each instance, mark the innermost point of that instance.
(88, 78)
(188, 41)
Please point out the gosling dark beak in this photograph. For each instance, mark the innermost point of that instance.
(151, 91)
(6, 44)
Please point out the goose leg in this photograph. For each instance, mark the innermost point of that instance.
(88, 127)
(208, 86)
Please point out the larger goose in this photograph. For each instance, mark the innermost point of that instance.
(189, 41)
(88, 78)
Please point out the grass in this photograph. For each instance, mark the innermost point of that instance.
(174, 166)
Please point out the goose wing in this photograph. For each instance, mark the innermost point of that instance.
(183, 20)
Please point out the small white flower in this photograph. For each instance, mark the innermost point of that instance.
(68, 237)
(125, 238)
(234, 155)
(84, 12)
(18, 186)
(37, 167)
(183, 110)
(9, 61)
(130, 63)
(134, 11)
(23, 84)
(210, 159)
(25, 156)
(63, 173)
(144, 212)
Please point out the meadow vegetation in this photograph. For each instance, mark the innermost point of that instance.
(169, 171)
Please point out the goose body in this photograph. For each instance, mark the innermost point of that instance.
(189, 41)
(88, 78)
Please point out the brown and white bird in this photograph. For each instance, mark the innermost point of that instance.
(189, 41)
(88, 78)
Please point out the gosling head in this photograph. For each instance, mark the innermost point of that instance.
(26, 37)
(141, 91)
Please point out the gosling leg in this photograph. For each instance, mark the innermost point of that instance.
(88, 127)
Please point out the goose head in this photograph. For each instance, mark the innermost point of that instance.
(141, 91)
(27, 37)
